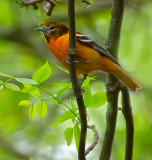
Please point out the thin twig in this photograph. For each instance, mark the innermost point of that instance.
(86, 1)
(47, 6)
(76, 87)
(31, 2)
(34, 3)
(52, 4)
(112, 84)
(127, 112)
(95, 140)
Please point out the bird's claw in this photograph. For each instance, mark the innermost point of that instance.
(69, 61)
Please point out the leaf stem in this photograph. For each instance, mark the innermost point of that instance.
(58, 101)
(9, 79)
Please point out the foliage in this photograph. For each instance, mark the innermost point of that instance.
(39, 106)
(22, 51)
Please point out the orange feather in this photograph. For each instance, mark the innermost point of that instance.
(91, 56)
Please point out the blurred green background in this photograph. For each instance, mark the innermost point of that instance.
(23, 50)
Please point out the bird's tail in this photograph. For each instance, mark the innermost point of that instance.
(131, 83)
(109, 66)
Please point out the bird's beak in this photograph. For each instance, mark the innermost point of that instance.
(42, 29)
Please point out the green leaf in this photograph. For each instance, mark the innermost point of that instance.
(63, 84)
(88, 98)
(28, 89)
(64, 117)
(1, 82)
(74, 109)
(41, 109)
(61, 91)
(99, 99)
(24, 103)
(12, 86)
(87, 81)
(33, 90)
(73, 105)
(35, 93)
(1, 87)
(42, 74)
(5, 75)
(94, 101)
(32, 112)
(64, 70)
(68, 135)
(77, 135)
(26, 81)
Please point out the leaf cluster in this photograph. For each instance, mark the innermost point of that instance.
(33, 87)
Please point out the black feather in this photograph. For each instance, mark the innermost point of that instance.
(84, 40)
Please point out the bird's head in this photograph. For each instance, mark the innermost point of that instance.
(53, 29)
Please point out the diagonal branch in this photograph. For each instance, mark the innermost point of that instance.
(127, 112)
(87, 2)
(76, 87)
(34, 3)
(112, 84)
(95, 140)
(31, 2)
(47, 6)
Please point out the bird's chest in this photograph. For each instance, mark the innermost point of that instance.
(59, 48)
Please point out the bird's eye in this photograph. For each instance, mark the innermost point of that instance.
(52, 28)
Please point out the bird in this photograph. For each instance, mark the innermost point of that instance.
(91, 56)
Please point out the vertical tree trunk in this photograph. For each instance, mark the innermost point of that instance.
(112, 84)
(75, 84)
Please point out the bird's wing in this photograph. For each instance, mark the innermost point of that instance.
(84, 40)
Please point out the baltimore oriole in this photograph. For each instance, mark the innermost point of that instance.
(90, 55)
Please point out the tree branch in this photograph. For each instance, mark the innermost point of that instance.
(31, 2)
(115, 27)
(34, 3)
(87, 2)
(47, 6)
(95, 140)
(112, 84)
(76, 87)
(127, 112)
(111, 117)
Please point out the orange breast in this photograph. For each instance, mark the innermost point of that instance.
(89, 59)
(59, 48)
